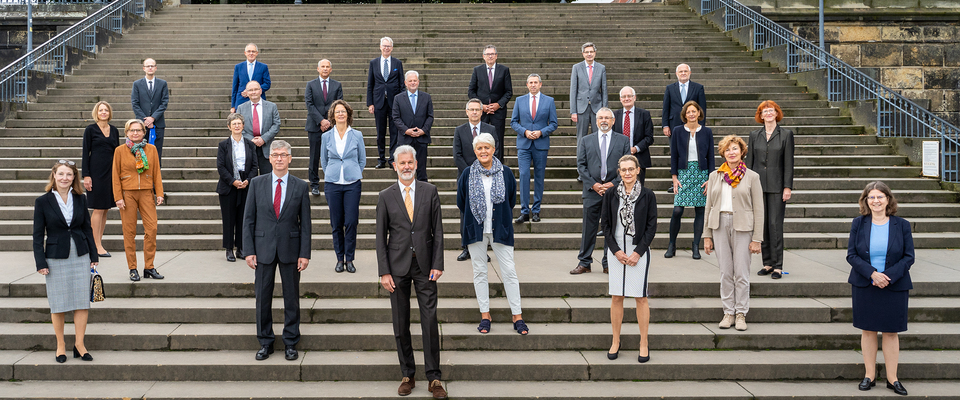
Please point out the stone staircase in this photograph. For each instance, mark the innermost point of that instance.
(192, 335)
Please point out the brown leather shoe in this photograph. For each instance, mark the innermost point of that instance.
(406, 386)
(437, 389)
(579, 270)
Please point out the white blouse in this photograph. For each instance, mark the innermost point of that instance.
(65, 207)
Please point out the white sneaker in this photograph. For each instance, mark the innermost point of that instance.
(741, 322)
(727, 321)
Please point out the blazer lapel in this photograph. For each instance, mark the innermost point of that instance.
(419, 201)
(56, 207)
(403, 207)
(287, 196)
(893, 238)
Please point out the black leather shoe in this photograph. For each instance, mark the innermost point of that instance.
(696, 252)
(291, 353)
(642, 359)
(670, 190)
(315, 191)
(897, 388)
(240, 254)
(350, 268)
(264, 353)
(339, 267)
(230, 256)
(599, 233)
(488, 258)
(84, 357)
(107, 255)
(522, 218)
(613, 356)
(671, 250)
(382, 164)
(152, 274)
(866, 384)
(134, 275)
(536, 217)
(464, 255)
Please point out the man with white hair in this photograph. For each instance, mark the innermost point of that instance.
(244, 72)
(384, 82)
(261, 123)
(635, 124)
(413, 117)
(676, 95)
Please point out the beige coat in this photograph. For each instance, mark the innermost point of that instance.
(747, 205)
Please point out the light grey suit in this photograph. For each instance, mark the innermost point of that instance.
(589, 167)
(587, 96)
(270, 118)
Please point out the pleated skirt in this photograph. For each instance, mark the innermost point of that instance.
(68, 283)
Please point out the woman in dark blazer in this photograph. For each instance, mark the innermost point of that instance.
(689, 174)
(343, 157)
(629, 219)
(100, 139)
(61, 216)
(236, 164)
(771, 156)
(880, 252)
(486, 195)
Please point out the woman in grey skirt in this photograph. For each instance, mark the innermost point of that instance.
(61, 215)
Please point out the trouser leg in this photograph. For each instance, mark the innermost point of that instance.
(508, 274)
(591, 223)
(148, 214)
(334, 194)
(421, 161)
(478, 258)
(380, 117)
(400, 305)
(427, 298)
(313, 168)
(262, 162)
(523, 160)
(539, 172)
(290, 283)
(741, 270)
(351, 218)
(128, 219)
(723, 244)
(264, 278)
(772, 246)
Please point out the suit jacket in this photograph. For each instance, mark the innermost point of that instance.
(546, 121)
(147, 105)
(502, 90)
(642, 126)
(463, 154)
(747, 205)
(48, 218)
(404, 117)
(588, 160)
(380, 90)
(225, 164)
(644, 220)
(269, 115)
(317, 107)
(585, 93)
(261, 74)
(270, 238)
(900, 254)
(680, 144)
(672, 103)
(352, 162)
(772, 159)
(398, 238)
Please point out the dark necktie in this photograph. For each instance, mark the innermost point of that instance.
(626, 124)
(474, 132)
(490, 77)
(386, 70)
(277, 196)
(324, 90)
(150, 86)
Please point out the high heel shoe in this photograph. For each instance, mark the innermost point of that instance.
(84, 357)
(613, 356)
(62, 358)
(671, 250)
(643, 359)
(695, 250)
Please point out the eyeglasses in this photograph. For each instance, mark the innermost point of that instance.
(872, 198)
(340, 112)
(489, 54)
(769, 111)
(279, 155)
(628, 169)
(136, 130)
(66, 162)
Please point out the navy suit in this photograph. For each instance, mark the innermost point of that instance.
(261, 74)
(534, 151)
(380, 94)
(151, 104)
(404, 117)
(900, 253)
(500, 92)
(672, 103)
(641, 138)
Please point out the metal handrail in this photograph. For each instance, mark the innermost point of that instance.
(51, 57)
(897, 116)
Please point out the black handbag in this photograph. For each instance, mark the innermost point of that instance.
(96, 286)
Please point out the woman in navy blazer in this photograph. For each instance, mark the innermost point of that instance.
(343, 157)
(477, 203)
(880, 252)
(235, 174)
(690, 176)
(67, 256)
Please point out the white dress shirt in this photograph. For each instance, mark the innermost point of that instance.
(65, 207)
(151, 83)
(413, 190)
(726, 197)
(239, 156)
(341, 144)
(389, 67)
(283, 188)
(488, 218)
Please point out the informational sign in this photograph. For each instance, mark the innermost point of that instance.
(931, 158)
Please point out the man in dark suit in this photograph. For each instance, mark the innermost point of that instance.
(413, 117)
(534, 119)
(676, 95)
(149, 99)
(276, 234)
(261, 123)
(491, 84)
(635, 124)
(463, 154)
(384, 81)
(403, 257)
(250, 70)
(598, 155)
(588, 90)
(320, 93)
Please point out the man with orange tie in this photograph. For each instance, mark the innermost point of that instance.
(261, 123)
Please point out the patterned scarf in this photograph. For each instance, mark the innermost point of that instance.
(733, 177)
(139, 154)
(627, 202)
(498, 193)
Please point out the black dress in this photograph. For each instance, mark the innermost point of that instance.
(97, 162)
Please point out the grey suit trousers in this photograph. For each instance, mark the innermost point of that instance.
(733, 255)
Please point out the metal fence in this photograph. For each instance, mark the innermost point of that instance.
(15, 2)
(897, 116)
(51, 57)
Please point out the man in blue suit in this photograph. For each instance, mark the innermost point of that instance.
(534, 119)
(384, 82)
(676, 95)
(413, 117)
(247, 71)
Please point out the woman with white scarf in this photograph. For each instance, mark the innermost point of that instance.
(486, 195)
